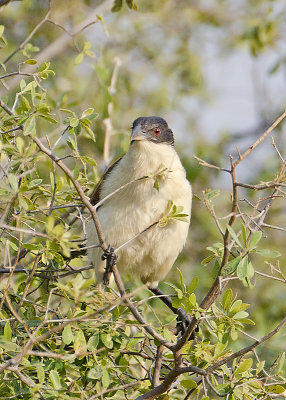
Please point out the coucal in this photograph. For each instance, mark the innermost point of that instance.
(130, 216)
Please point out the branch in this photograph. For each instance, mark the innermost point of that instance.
(107, 121)
(28, 231)
(92, 210)
(247, 349)
(261, 186)
(206, 164)
(217, 286)
(157, 366)
(35, 338)
(170, 378)
(58, 45)
(29, 37)
(260, 139)
(135, 312)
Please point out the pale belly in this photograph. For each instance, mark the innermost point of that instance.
(149, 254)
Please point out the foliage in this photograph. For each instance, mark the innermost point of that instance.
(64, 337)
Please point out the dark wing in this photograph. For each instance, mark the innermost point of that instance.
(95, 195)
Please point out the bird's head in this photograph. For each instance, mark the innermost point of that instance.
(153, 129)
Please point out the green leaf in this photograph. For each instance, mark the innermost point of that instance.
(48, 118)
(238, 306)
(234, 235)
(250, 270)
(156, 184)
(105, 379)
(65, 110)
(117, 5)
(32, 246)
(247, 321)
(176, 302)
(7, 331)
(35, 182)
(31, 61)
(25, 103)
(268, 253)
(22, 85)
(188, 384)
(260, 366)
(167, 334)
(12, 245)
(242, 268)
(208, 259)
(88, 131)
(3, 66)
(192, 300)
(181, 278)
(95, 373)
(212, 193)
(55, 380)
(233, 333)
(216, 269)
(244, 366)
(92, 116)
(194, 283)
(93, 342)
(30, 126)
(106, 340)
(254, 239)
(281, 362)
(67, 335)
(278, 389)
(87, 45)
(240, 314)
(88, 160)
(244, 234)
(74, 122)
(163, 221)
(226, 300)
(87, 112)
(79, 59)
(79, 342)
(231, 266)
(40, 374)
(13, 182)
(30, 87)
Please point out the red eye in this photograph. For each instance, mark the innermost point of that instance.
(157, 131)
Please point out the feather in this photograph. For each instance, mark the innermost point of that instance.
(95, 195)
(123, 216)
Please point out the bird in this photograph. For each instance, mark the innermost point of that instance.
(135, 193)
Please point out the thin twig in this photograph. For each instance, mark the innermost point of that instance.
(247, 349)
(135, 312)
(260, 139)
(206, 164)
(107, 121)
(28, 231)
(28, 38)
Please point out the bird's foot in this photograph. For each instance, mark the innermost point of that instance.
(183, 321)
(111, 258)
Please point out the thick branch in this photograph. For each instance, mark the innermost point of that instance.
(170, 378)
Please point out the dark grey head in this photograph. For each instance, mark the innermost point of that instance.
(154, 129)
